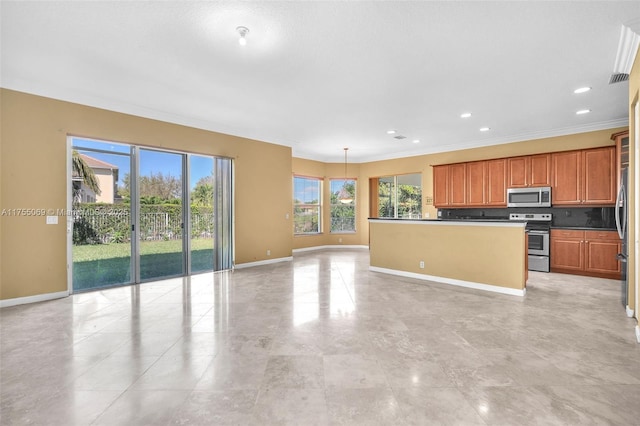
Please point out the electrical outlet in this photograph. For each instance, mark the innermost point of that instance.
(422, 264)
(268, 252)
(339, 240)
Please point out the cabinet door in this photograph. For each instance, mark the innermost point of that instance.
(601, 256)
(567, 253)
(567, 178)
(602, 248)
(457, 184)
(476, 183)
(441, 186)
(539, 173)
(496, 183)
(599, 176)
(517, 173)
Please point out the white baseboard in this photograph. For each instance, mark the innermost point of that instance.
(33, 299)
(452, 281)
(263, 262)
(339, 246)
(629, 312)
(638, 333)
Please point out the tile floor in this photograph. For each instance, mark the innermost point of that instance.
(321, 340)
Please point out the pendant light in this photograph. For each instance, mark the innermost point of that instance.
(343, 196)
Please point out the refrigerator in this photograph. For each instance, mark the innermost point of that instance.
(621, 213)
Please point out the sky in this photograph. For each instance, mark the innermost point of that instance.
(306, 190)
(151, 161)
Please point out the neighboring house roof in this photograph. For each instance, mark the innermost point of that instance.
(94, 163)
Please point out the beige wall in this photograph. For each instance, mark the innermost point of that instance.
(327, 171)
(33, 259)
(472, 253)
(34, 175)
(634, 98)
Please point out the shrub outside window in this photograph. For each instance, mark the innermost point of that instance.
(343, 205)
(306, 205)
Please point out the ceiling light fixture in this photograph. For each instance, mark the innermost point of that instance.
(416, 141)
(582, 90)
(583, 111)
(344, 196)
(391, 132)
(465, 115)
(243, 31)
(485, 129)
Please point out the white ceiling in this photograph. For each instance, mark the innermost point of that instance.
(321, 76)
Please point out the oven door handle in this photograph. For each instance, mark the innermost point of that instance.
(539, 232)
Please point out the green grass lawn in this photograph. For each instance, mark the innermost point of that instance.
(104, 265)
(87, 253)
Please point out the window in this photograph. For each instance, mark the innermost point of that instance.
(397, 196)
(343, 205)
(306, 205)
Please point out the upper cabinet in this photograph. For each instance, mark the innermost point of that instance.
(449, 185)
(476, 179)
(586, 177)
(441, 186)
(530, 170)
(582, 177)
(475, 184)
(496, 183)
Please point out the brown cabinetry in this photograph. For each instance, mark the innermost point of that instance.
(601, 252)
(450, 185)
(441, 186)
(457, 185)
(530, 170)
(567, 250)
(496, 182)
(584, 177)
(585, 252)
(474, 184)
(476, 174)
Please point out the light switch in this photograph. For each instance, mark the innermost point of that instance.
(52, 220)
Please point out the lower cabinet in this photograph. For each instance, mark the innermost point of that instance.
(585, 252)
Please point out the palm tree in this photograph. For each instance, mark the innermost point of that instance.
(80, 169)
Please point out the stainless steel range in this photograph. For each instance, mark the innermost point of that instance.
(538, 226)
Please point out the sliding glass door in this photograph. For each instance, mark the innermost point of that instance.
(202, 183)
(141, 214)
(160, 214)
(101, 214)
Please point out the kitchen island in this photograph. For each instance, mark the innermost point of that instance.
(488, 255)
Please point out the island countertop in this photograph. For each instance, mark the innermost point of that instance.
(482, 254)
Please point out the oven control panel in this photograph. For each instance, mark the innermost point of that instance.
(541, 217)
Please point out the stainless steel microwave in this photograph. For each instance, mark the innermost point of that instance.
(529, 197)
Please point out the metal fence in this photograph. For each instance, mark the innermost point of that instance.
(109, 227)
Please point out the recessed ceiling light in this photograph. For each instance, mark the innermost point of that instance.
(391, 132)
(416, 141)
(583, 111)
(485, 129)
(465, 115)
(582, 90)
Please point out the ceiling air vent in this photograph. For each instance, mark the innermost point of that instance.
(618, 78)
(399, 137)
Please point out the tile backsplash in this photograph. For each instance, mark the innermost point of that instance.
(594, 217)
